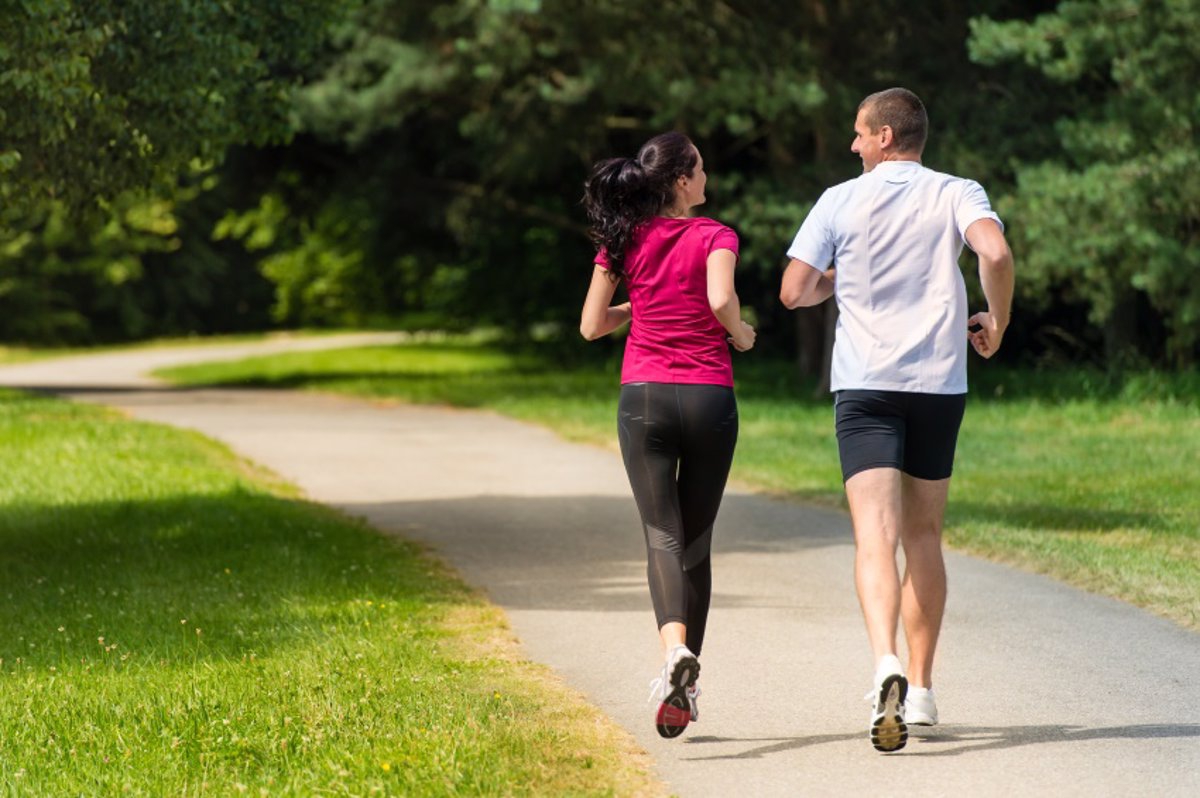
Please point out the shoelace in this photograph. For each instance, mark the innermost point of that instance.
(657, 686)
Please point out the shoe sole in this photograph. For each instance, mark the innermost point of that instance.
(888, 730)
(675, 712)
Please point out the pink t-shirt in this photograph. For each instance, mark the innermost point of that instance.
(674, 336)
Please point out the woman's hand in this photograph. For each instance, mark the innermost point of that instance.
(744, 340)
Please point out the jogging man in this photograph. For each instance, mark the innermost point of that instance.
(893, 237)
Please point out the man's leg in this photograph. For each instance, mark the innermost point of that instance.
(875, 511)
(923, 594)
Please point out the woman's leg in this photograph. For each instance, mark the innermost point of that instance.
(710, 428)
(648, 429)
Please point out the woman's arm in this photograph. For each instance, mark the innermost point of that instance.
(598, 318)
(723, 299)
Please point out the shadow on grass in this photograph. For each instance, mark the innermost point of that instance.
(253, 572)
(474, 389)
(990, 383)
(91, 582)
(1053, 517)
(761, 376)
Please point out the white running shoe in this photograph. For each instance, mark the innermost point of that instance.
(888, 730)
(919, 707)
(671, 690)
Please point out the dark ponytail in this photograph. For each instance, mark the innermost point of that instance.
(623, 193)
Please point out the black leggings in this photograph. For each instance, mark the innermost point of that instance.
(677, 442)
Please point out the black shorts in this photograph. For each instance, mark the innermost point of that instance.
(914, 432)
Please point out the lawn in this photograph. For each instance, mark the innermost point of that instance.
(176, 622)
(1087, 477)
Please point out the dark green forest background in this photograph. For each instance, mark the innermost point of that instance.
(192, 166)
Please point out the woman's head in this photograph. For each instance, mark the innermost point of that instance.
(665, 177)
(674, 167)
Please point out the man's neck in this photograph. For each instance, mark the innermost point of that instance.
(900, 156)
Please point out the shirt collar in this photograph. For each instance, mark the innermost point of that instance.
(897, 171)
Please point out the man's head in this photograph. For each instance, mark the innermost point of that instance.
(891, 126)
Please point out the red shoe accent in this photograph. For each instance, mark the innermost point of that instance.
(673, 716)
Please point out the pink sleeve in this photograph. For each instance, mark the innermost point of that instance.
(601, 259)
(724, 238)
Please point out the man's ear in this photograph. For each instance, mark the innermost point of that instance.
(886, 137)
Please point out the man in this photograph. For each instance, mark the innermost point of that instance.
(893, 236)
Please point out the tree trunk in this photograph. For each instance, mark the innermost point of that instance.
(1121, 336)
(810, 337)
(814, 343)
(830, 311)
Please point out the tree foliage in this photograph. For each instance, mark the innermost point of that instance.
(471, 125)
(440, 148)
(1112, 215)
(105, 96)
(107, 108)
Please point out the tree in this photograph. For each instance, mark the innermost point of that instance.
(1112, 217)
(476, 122)
(105, 96)
(107, 108)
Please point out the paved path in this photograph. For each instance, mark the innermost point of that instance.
(1043, 690)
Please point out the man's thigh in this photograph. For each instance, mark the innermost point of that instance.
(913, 432)
(924, 503)
(931, 423)
(871, 431)
(874, 495)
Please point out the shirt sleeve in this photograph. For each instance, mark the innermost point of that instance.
(972, 206)
(601, 259)
(724, 238)
(813, 243)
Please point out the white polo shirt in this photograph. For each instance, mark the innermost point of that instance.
(894, 235)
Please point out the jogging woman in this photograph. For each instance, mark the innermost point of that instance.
(677, 418)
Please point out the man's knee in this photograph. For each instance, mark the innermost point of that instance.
(921, 531)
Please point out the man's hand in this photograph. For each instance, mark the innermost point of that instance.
(986, 339)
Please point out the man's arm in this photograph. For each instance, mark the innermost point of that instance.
(996, 277)
(804, 285)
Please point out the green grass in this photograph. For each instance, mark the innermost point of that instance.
(175, 622)
(22, 354)
(1087, 477)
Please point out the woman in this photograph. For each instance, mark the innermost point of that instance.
(677, 418)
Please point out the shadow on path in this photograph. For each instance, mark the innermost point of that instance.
(588, 552)
(958, 740)
(975, 739)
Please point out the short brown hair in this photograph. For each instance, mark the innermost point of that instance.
(903, 112)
